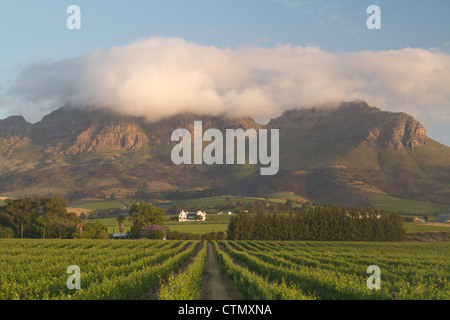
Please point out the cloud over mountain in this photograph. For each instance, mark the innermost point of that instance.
(159, 77)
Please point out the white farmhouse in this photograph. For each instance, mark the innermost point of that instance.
(192, 216)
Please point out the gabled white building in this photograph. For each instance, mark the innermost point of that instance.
(192, 216)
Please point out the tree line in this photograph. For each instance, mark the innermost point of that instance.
(45, 217)
(319, 223)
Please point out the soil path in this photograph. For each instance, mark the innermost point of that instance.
(216, 285)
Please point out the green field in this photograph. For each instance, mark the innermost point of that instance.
(33, 269)
(186, 227)
(213, 223)
(275, 200)
(288, 195)
(102, 205)
(406, 206)
(198, 228)
(36, 192)
(419, 227)
(211, 203)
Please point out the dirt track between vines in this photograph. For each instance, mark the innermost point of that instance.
(216, 285)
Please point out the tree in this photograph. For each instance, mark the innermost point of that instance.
(53, 216)
(23, 213)
(7, 221)
(121, 221)
(154, 231)
(95, 230)
(41, 225)
(45, 217)
(144, 214)
(229, 201)
(80, 226)
(231, 232)
(6, 232)
(288, 205)
(328, 223)
(83, 216)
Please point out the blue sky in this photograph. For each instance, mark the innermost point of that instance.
(35, 31)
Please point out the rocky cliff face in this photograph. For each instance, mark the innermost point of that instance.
(117, 136)
(398, 132)
(415, 135)
(72, 131)
(14, 133)
(356, 122)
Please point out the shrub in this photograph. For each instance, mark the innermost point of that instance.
(154, 231)
(6, 232)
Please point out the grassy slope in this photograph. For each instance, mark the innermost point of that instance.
(422, 227)
(210, 202)
(406, 206)
(116, 204)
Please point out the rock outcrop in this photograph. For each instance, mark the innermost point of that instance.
(116, 136)
(398, 132)
(354, 122)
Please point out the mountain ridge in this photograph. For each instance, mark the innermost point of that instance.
(341, 154)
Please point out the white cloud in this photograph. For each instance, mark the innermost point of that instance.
(4, 101)
(159, 77)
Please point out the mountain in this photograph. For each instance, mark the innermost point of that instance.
(340, 155)
(357, 150)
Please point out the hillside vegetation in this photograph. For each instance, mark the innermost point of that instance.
(345, 155)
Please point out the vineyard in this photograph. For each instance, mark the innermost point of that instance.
(174, 270)
(336, 270)
(109, 269)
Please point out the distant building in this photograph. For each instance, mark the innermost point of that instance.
(120, 236)
(419, 220)
(443, 218)
(221, 212)
(192, 216)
